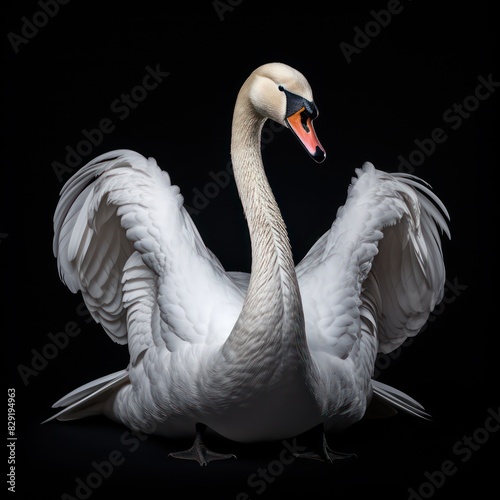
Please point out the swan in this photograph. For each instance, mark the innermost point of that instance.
(269, 355)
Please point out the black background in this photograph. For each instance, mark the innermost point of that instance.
(394, 91)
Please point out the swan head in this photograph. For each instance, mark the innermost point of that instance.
(281, 93)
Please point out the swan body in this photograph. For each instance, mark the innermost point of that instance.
(260, 356)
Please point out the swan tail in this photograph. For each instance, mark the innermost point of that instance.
(89, 399)
(394, 400)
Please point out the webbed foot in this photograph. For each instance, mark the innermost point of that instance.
(199, 452)
(320, 449)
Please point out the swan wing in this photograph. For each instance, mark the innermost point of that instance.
(123, 238)
(378, 272)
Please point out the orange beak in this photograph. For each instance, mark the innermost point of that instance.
(301, 124)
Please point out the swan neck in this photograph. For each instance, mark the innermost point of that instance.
(271, 252)
(272, 306)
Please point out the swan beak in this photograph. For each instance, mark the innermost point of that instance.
(301, 125)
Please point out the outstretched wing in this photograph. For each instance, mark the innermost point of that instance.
(124, 239)
(378, 272)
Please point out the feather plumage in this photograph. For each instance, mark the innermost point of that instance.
(255, 356)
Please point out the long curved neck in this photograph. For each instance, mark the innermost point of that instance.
(272, 260)
(272, 314)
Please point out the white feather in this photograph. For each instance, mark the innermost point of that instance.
(260, 356)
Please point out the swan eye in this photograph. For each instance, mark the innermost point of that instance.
(281, 88)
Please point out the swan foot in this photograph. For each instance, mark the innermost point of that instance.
(199, 452)
(321, 451)
(326, 455)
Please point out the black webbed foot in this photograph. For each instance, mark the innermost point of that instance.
(319, 447)
(199, 452)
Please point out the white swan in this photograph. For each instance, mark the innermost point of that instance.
(254, 357)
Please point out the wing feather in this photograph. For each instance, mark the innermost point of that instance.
(381, 265)
(123, 238)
